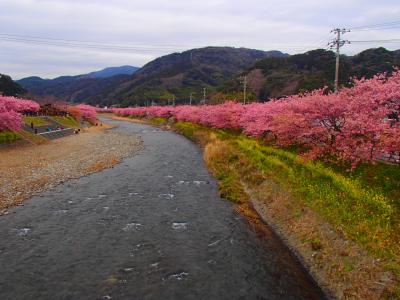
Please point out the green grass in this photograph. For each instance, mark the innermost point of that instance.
(380, 176)
(69, 121)
(364, 212)
(188, 129)
(37, 121)
(158, 121)
(8, 136)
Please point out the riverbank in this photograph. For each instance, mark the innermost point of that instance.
(347, 252)
(29, 169)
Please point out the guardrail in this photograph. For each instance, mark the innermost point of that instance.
(54, 134)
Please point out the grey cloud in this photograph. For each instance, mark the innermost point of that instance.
(290, 26)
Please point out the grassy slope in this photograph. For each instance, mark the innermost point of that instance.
(8, 136)
(37, 121)
(362, 205)
(31, 137)
(66, 121)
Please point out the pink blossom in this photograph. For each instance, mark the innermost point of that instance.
(11, 110)
(87, 111)
(357, 124)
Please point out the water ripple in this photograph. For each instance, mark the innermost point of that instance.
(179, 225)
(132, 227)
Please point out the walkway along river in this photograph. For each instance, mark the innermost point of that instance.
(153, 227)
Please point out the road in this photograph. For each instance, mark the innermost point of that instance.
(152, 227)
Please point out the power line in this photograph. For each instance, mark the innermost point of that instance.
(376, 41)
(376, 28)
(95, 45)
(379, 25)
(103, 47)
(320, 44)
(89, 42)
(118, 45)
(338, 42)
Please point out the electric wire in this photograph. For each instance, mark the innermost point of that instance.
(376, 26)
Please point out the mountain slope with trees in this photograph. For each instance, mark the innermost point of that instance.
(10, 88)
(179, 74)
(275, 77)
(176, 74)
(220, 71)
(71, 88)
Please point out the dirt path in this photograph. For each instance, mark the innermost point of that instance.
(152, 227)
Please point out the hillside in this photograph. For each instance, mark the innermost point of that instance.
(271, 74)
(177, 73)
(279, 76)
(180, 74)
(78, 88)
(8, 87)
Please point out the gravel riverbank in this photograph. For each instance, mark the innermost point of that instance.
(29, 169)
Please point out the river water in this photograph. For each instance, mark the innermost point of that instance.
(152, 227)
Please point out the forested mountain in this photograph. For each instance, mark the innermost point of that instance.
(280, 76)
(176, 74)
(71, 88)
(179, 74)
(8, 87)
(220, 70)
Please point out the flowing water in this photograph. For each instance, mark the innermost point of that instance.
(153, 227)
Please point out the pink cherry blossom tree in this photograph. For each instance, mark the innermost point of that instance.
(86, 111)
(357, 124)
(11, 110)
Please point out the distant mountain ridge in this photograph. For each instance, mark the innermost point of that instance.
(80, 87)
(179, 74)
(176, 74)
(112, 71)
(218, 70)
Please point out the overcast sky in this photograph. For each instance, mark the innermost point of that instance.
(152, 28)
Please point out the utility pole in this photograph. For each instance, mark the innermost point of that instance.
(173, 100)
(244, 88)
(204, 95)
(191, 98)
(338, 43)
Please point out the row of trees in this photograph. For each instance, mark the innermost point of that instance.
(11, 110)
(356, 124)
(84, 111)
